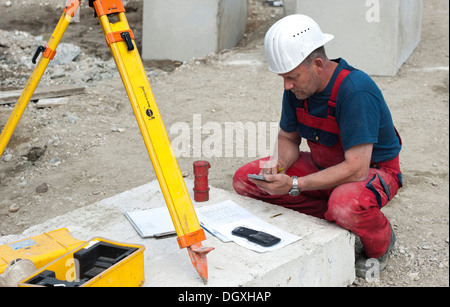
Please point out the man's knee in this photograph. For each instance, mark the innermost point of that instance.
(344, 207)
(341, 209)
(239, 181)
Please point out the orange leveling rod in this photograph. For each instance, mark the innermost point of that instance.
(120, 39)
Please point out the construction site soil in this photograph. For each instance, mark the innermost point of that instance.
(71, 155)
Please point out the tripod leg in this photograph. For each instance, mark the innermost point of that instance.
(121, 42)
(49, 51)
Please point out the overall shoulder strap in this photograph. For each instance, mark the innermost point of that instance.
(337, 84)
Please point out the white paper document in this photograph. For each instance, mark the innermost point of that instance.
(152, 222)
(220, 219)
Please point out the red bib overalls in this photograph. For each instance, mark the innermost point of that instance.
(354, 206)
(329, 152)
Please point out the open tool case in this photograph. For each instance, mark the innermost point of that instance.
(97, 263)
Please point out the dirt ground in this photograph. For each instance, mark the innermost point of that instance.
(93, 147)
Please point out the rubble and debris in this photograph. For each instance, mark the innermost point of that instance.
(35, 153)
(69, 66)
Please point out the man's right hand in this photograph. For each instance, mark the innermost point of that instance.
(272, 167)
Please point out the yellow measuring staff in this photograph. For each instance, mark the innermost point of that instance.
(120, 39)
(151, 124)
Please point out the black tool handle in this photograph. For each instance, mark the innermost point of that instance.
(127, 38)
(36, 54)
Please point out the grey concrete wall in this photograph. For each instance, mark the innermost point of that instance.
(410, 27)
(376, 36)
(232, 18)
(184, 29)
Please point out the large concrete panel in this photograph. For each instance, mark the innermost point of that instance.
(376, 36)
(185, 29)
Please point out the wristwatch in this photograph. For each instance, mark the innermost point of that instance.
(294, 191)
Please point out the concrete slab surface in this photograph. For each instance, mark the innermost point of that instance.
(324, 256)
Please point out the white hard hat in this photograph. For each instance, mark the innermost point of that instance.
(290, 40)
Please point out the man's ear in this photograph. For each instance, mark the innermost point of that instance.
(318, 65)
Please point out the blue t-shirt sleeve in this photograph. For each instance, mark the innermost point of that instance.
(288, 121)
(359, 119)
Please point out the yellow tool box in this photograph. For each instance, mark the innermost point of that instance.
(97, 263)
(40, 249)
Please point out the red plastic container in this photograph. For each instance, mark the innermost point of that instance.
(201, 186)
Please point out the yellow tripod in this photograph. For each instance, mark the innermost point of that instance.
(120, 40)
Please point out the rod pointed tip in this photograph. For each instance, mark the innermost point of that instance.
(197, 253)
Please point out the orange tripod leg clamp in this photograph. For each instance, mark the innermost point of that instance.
(191, 238)
(119, 36)
(106, 7)
(49, 53)
(71, 7)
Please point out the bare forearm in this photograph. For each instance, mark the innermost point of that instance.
(288, 149)
(330, 177)
(355, 167)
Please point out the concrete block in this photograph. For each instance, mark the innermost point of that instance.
(185, 29)
(376, 36)
(324, 256)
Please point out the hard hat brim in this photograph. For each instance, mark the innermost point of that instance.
(327, 38)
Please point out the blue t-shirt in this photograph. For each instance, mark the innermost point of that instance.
(361, 113)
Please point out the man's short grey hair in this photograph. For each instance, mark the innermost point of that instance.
(318, 53)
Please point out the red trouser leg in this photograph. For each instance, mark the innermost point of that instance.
(312, 202)
(357, 207)
(353, 206)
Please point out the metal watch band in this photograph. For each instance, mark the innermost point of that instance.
(294, 191)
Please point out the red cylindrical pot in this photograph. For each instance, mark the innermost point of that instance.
(201, 186)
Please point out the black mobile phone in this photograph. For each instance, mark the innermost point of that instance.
(243, 232)
(255, 236)
(258, 177)
(263, 239)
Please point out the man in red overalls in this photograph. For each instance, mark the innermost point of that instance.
(352, 169)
